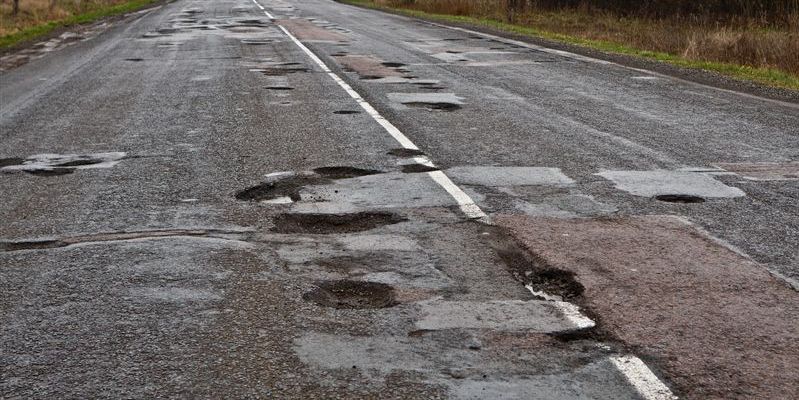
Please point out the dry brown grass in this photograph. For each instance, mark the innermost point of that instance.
(756, 40)
(36, 12)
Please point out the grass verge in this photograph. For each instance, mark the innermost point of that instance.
(767, 76)
(39, 31)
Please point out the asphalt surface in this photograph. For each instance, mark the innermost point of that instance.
(169, 228)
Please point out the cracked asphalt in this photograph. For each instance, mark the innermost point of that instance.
(192, 207)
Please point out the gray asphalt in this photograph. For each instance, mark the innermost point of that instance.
(142, 275)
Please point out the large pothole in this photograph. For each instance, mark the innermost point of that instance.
(287, 187)
(334, 223)
(348, 294)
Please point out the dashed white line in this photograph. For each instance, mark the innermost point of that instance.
(466, 204)
(641, 377)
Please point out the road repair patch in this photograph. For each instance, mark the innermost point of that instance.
(716, 324)
(663, 182)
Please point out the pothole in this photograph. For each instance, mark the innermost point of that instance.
(334, 223)
(346, 112)
(417, 168)
(556, 282)
(403, 152)
(269, 71)
(344, 172)
(435, 106)
(256, 42)
(134, 59)
(545, 281)
(5, 162)
(680, 198)
(348, 294)
(287, 187)
(280, 88)
(50, 172)
(393, 64)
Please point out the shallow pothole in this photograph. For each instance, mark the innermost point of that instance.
(348, 294)
(679, 198)
(279, 88)
(344, 172)
(274, 71)
(5, 162)
(403, 152)
(393, 64)
(346, 112)
(334, 223)
(50, 172)
(79, 162)
(417, 168)
(435, 106)
(136, 59)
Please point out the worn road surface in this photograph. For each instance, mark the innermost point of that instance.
(304, 199)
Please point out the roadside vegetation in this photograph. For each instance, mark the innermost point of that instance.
(746, 39)
(24, 20)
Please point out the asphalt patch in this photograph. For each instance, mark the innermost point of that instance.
(334, 223)
(348, 294)
(344, 172)
(288, 187)
(403, 152)
(680, 198)
(417, 168)
(434, 106)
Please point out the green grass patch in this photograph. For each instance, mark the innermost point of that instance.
(767, 76)
(38, 31)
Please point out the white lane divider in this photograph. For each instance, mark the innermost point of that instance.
(466, 204)
(641, 377)
(634, 370)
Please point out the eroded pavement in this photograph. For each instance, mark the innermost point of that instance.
(193, 206)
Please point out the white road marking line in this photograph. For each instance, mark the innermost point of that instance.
(641, 377)
(466, 204)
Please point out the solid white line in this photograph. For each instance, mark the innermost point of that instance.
(466, 204)
(641, 377)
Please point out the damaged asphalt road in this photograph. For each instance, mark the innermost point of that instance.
(284, 199)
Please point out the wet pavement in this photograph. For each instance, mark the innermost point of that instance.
(195, 206)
